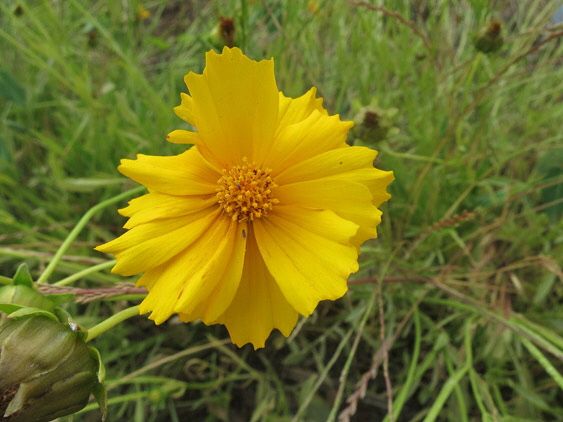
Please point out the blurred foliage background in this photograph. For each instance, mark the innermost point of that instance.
(457, 311)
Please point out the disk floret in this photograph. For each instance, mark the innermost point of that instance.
(245, 191)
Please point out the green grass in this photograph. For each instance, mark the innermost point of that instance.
(457, 311)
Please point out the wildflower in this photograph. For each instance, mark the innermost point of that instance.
(262, 218)
(142, 13)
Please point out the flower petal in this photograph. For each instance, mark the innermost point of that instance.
(185, 110)
(186, 174)
(314, 135)
(183, 137)
(259, 305)
(296, 110)
(329, 163)
(166, 285)
(376, 181)
(209, 292)
(154, 206)
(350, 200)
(235, 106)
(152, 244)
(308, 253)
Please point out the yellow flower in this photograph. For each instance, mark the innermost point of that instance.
(262, 218)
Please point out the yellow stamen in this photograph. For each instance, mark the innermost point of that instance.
(245, 191)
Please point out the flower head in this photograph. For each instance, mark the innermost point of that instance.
(261, 218)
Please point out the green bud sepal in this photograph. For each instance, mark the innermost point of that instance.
(46, 368)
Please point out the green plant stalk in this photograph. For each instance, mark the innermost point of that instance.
(29, 54)
(518, 328)
(497, 398)
(79, 226)
(452, 382)
(428, 361)
(476, 393)
(111, 322)
(544, 362)
(80, 274)
(345, 371)
(537, 336)
(322, 376)
(527, 325)
(403, 394)
(149, 379)
(282, 396)
(116, 400)
(351, 354)
(130, 65)
(168, 386)
(457, 391)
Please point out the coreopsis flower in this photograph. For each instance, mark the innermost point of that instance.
(261, 218)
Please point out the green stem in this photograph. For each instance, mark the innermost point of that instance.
(79, 226)
(453, 381)
(543, 361)
(168, 387)
(405, 389)
(80, 274)
(116, 400)
(111, 322)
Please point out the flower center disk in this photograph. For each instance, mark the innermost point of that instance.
(245, 191)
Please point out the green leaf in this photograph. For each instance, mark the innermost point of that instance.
(60, 298)
(10, 89)
(28, 311)
(8, 308)
(5, 155)
(23, 276)
(101, 397)
(101, 368)
(550, 165)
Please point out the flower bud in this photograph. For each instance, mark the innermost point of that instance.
(223, 34)
(47, 371)
(489, 38)
(374, 124)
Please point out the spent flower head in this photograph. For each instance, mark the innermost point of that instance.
(261, 218)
